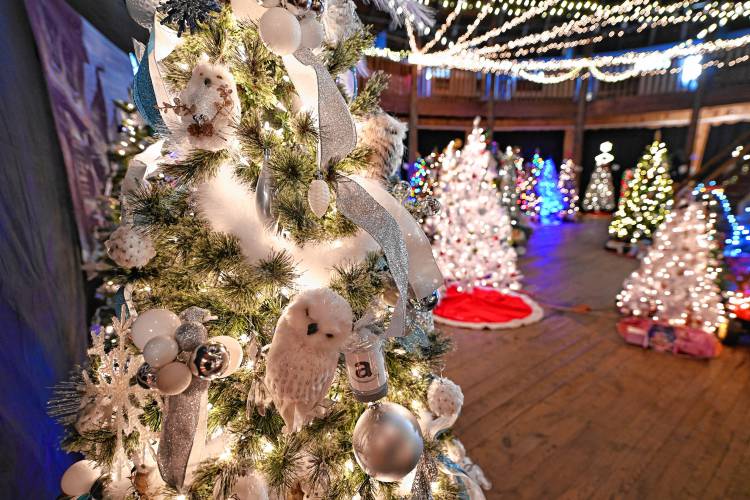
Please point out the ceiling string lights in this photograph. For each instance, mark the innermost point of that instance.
(588, 20)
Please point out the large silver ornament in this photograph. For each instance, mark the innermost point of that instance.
(387, 442)
(209, 361)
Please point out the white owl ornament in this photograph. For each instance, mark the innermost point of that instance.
(208, 107)
(304, 353)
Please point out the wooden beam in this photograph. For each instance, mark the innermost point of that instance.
(491, 108)
(568, 142)
(695, 115)
(580, 125)
(414, 116)
(703, 130)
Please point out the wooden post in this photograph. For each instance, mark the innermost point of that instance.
(690, 144)
(568, 143)
(413, 115)
(703, 130)
(491, 108)
(580, 126)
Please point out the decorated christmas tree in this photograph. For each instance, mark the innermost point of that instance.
(510, 167)
(550, 199)
(422, 180)
(568, 186)
(528, 199)
(676, 283)
(600, 193)
(241, 281)
(648, 197)
(472, 242)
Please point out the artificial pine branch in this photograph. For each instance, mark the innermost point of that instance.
(275, 271)
(292, 169)
(304, 128)
(157, 206)
(346, 54)
(368, 99)
(198, 166)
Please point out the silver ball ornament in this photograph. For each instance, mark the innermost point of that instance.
(401, 190)
(427, 303)
(430, 206)
(190, 335)
(387, 442)
(209, 361)
(146, 376)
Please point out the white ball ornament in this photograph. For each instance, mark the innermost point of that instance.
(280, 31)
(79, 478)
(235, 353)
(142, 11)
(153, 323)
(444, 397)
(319, 197)
(312, 32)
(173, 379)
(129, 248)
(160, 351)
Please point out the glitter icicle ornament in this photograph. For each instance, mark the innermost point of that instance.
(319, 197)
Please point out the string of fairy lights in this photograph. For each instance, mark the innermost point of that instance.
(585, 23)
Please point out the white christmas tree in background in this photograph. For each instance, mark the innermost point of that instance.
(472, 241)
(568, 186)
(600, 193)
(676, 282)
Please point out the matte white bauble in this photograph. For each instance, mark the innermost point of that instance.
(79, 478)
(319, 197)
(312, 32)
(173, 378)
(280, 31)
(235, 353)
(154, 323)
(142, 11)
(160, 351)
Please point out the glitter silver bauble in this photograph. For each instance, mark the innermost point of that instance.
(209, 361)
(190, 335)
(428, 303)
(401, 190)
(430, 206)
(146, 376)
(195, 313)
(387, 442)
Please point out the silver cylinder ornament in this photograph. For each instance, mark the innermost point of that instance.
(365, 367)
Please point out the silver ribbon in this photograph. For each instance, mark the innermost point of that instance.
(360, 207)
(425, 473)
(183, 431)
(316, 87)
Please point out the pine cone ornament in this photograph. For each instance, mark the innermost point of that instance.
(319, 197)
(444, 397)
(187, 13)
(129, 248)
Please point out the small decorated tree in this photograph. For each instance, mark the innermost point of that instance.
(550, 199)
(528, 199)
(676, 283)
(648, 197)
(568, 186)
(600, 193)
(510, 170)
(472, 244)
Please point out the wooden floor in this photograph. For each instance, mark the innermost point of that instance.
(564, 409)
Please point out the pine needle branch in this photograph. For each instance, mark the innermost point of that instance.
(368, 99)
(198, 166)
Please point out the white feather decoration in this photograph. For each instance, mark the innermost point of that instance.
(319, 197)
(384, 135)
(229, 207)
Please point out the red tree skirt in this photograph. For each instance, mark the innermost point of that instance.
(486, 308)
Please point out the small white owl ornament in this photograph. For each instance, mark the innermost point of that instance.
(208, 107)
(304, 353)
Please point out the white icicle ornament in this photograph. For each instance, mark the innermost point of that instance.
(319, 197)
(129, 248)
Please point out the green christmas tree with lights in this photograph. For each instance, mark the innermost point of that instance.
(648, 199)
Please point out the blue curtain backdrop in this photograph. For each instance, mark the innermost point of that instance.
(42, 302)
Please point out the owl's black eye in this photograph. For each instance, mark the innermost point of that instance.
(312, 328)
(329, 335)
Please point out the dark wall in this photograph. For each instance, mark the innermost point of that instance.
(432, 140)
(549, 143)
(41, 287)
(722, 136)
(628, 145)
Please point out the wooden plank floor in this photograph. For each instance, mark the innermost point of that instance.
(564, 409)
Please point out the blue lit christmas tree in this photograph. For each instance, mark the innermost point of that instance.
(548, 194)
